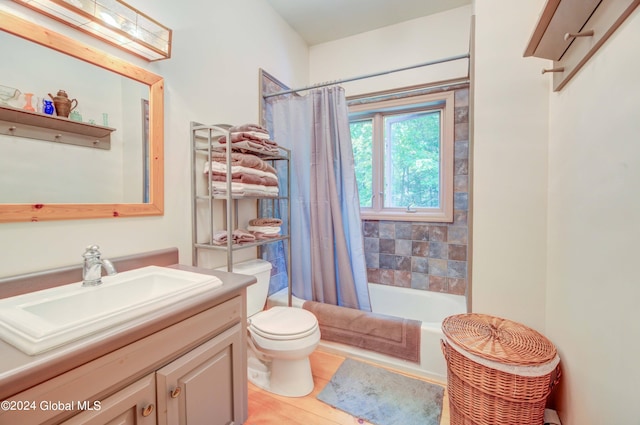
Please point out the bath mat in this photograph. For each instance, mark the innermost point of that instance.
(383, 397)
(384, 334)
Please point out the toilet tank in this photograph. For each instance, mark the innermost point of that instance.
(258, 292)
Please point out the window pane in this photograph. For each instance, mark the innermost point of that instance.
(412, 160)
(362, 141)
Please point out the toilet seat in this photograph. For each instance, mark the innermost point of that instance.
(283, 323)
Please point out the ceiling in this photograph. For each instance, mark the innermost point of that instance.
(319, 21)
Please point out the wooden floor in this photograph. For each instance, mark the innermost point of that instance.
(269, 409)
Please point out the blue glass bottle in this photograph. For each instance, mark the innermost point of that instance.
(48, 107)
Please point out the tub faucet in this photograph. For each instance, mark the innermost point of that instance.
(92, 267)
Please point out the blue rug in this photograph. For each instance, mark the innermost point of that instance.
(383, 397)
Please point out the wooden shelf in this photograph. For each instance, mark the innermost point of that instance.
(34, 125)
(559, 18)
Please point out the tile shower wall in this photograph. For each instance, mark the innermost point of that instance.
(429, 256)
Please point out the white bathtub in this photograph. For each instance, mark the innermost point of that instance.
(429, 307)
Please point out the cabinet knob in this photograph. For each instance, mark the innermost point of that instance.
(176, 392)
(148, 410)
(569, 35)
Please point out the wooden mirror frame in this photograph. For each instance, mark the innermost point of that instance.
(40, 212)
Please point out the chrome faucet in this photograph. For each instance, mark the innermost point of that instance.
(92, 267)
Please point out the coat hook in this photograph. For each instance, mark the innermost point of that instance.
(569, 35)
(560, 69)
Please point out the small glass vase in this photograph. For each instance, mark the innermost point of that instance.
(28, 105)
(47, 108)
(75, 116)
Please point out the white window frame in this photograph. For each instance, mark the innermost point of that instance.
(444, 102)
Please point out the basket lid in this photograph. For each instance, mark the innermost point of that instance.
(498, 339)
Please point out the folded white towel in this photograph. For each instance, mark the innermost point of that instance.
(244, 189)
(222, 168)
(267, 230)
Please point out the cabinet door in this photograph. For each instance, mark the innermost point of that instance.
(133, 405)
(205, 385)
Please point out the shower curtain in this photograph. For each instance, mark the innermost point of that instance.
(327, 249)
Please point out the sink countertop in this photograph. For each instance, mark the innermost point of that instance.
(19, 371)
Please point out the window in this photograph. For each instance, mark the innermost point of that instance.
(403, 152)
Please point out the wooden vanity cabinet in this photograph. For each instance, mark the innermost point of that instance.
(133, 405)
(190, 373)
(198, 387)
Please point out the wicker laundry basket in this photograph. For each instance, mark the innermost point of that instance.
(499, 372)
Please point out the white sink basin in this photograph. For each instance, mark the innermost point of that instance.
(38, 321)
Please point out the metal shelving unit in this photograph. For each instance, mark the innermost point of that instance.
(204, 141)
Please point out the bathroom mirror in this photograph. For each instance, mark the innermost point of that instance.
(149, 118)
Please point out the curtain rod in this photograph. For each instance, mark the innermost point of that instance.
(396, 94)
(361, 77)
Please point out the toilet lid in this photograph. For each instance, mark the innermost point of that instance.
(283, 323)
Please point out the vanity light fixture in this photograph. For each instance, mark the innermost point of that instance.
(112, 21)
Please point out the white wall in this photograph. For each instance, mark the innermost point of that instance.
(509, 165)
(593, 287)
(212, 77)
(430, 38)
(555, 209)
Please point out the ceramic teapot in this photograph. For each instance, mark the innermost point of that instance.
(62, 103)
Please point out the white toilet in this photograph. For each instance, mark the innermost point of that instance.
(280, 338)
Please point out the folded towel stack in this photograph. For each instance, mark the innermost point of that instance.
(238, 236)
(251, 136)
(265, 221)
(239, 159)
(250, 175)
(265, 228)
